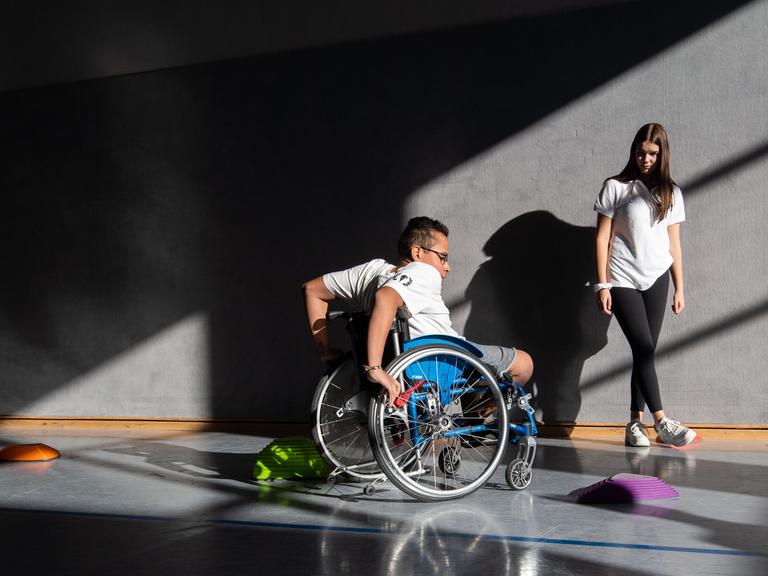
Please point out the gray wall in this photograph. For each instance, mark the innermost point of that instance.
(158, 224)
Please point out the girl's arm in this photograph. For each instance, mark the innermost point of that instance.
(602, 242)
(675, 248)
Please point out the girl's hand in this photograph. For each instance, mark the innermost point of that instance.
(604, 301)
(678, 302)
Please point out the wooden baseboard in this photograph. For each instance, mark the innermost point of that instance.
(611, 429)
(275, 429)
(278, 429)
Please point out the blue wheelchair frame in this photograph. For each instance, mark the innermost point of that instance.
(447, 377)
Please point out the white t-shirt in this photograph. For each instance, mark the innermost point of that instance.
(358, 285)
(639, 246)
(420, 286)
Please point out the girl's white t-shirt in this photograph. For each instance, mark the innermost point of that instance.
(639, 246)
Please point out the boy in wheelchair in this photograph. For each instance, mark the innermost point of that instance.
(412, 289)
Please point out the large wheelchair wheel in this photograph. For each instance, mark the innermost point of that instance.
(340, 422)
(447, 433)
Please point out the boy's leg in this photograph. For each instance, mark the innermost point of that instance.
(517, 363)
(521, 368)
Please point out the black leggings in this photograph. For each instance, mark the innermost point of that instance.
(640, 315)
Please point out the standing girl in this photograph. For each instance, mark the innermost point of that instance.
(637, 245)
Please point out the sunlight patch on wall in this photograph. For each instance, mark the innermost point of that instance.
(167, 375)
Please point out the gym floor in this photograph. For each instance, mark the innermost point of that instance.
(160, 502)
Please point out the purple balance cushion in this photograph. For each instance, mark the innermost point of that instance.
(621, 488)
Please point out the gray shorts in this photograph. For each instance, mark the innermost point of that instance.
(497, 357)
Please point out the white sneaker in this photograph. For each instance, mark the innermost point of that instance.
(674, 433)
(635, 435)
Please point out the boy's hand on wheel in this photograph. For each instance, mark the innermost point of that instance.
(392, 386)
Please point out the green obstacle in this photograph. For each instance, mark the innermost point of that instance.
(293, 458)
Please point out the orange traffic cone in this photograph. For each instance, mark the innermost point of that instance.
(29, 453)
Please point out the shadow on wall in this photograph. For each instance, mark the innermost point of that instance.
(532, 294)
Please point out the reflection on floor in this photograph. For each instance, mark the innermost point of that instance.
(162, 502)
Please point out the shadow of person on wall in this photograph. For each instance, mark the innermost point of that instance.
(532, 293)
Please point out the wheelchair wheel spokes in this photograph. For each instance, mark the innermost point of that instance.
(449, 450)
(342, 442)
(337, 421)
(340, 427)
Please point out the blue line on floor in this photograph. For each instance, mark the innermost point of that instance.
(362, 530)
(596, 544)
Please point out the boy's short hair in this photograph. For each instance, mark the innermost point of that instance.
(419, 232)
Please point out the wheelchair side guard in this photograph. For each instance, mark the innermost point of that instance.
(356, 403)
(444, 375)
(442, 339)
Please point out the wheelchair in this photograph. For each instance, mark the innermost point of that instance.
(447, 432)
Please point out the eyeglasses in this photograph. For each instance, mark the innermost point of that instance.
(442, 255)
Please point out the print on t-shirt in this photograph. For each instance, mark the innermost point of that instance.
(404, 279)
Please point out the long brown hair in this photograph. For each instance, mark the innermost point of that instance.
(660, 178)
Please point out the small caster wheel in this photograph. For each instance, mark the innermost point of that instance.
(332, 479)
(518, 474)
(449, 460)
(369, 490)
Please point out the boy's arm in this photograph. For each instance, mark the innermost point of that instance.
(385, 307)
(316, 299)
